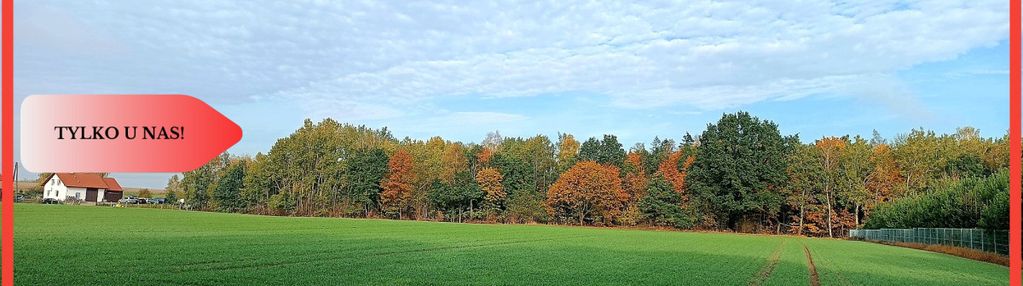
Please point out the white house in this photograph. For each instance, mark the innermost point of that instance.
(90, 187)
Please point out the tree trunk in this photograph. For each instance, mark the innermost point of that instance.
(802, 211)
(830, 234)
(857, 214)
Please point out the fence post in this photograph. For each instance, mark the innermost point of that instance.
(982, 241)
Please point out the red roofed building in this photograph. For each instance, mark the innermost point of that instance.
(90, 187)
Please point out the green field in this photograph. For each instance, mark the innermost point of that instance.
(58, 245)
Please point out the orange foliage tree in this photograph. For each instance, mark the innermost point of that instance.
(635, 180)
(674, 172)
(489, 180)
(485, 155)
(453, 161)
(396, 196)
(885, 177)
(587, 191)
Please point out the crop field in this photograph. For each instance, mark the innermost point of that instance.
(85, 245)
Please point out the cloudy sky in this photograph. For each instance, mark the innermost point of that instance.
(459, 70)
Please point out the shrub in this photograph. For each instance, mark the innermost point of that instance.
(964, 203)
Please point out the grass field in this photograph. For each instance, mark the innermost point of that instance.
(58, 245)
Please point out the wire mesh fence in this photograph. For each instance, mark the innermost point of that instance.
(996, 241)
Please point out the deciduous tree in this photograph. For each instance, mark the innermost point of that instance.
(489, 180)
(588, 191)
(396, 197)
(831, 150)
(739, 170)
(635, 179)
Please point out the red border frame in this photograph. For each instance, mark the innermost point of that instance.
(7, 221)
(7, 231)
(1014, 143)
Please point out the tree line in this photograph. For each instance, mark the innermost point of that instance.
(740, 174)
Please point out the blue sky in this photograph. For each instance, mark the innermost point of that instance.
(460, 70)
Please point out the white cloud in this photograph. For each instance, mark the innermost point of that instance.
(346, 57)
(715, 55)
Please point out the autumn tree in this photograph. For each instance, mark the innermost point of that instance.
(489, 180)
(568, 149)
(429, 157)
(831, 150)
(855, 173)
(587, 192)
(635, 179)
(920, 158)
(885, 178)
(453, 161)
(804, 181)
(673, 169)
(484, 156)
(396, 197)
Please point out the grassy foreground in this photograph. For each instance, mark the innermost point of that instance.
(82, 245)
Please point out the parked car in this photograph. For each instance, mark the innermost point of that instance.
(158, 201)
(50, 201)
(129, 200)
(143, 201)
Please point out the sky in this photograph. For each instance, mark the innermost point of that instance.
(460, 70)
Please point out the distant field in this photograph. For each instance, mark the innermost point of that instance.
(59, 245)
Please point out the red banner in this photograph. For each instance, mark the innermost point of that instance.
(121, 133)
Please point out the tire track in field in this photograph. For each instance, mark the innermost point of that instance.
(767, 269)
(321, 258)
(825, 260)
(814, 278)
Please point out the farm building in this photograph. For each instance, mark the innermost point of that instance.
(90, 187)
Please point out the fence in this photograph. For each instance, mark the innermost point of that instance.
(996, 241)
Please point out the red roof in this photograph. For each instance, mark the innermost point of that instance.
(112, 184)
(87, 180)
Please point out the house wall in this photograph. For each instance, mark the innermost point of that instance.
(57, 190)
(71, 192)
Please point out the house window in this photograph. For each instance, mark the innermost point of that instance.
(76, 196)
